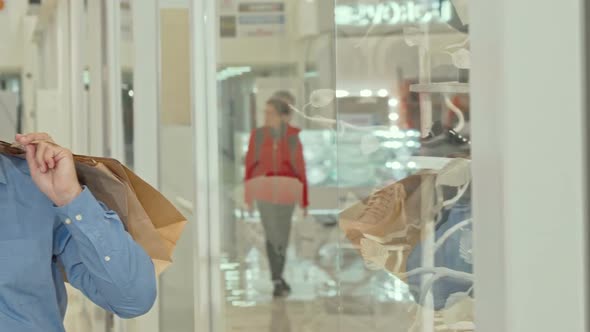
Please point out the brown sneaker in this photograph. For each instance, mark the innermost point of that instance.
(384, 215)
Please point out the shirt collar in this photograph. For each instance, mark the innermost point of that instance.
(2, 169)
(8, 163)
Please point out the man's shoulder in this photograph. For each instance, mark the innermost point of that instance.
(14, 162)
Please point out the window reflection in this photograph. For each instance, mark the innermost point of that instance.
(380, 95)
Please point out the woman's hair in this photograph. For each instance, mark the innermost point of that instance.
(285, 96)
(282, 107)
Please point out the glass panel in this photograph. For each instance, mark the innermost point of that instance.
(402, 87)
(279, 233)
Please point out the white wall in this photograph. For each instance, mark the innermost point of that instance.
(11, 34)
(529, 167)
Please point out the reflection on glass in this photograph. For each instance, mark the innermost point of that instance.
(414, 220)
(279, 231)
(381, 99)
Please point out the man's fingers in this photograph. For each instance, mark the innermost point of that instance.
(25, 139)
(49, 157)
(40, 156)
(31, 150)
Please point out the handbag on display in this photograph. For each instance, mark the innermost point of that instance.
(151, 219)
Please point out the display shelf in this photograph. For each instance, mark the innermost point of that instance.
(433, 163)
(441, 87)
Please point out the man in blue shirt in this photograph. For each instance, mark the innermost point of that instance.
(49, 224)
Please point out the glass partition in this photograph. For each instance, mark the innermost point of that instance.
(344, 147)
(279, 233)
(402, 96)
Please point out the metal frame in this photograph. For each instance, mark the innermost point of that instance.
(586, 87)
(146, 83)
(95, 66)
(79, 114)
(115, 116)
(204, 147)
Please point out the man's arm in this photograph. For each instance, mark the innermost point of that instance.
(99, 257)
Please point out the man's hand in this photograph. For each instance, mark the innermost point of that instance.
(52, 168)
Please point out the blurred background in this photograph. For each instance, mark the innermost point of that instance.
(382, 92)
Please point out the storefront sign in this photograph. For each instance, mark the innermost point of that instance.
(261, 19)
(228, 7)
(261, 25)
(228, 26)
(393, 13)
(259, 7)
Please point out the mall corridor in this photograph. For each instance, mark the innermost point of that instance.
(342, 165)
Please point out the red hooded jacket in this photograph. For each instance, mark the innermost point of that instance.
(276, 156)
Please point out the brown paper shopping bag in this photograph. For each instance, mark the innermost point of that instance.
(153, 221)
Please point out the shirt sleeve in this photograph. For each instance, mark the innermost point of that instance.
(101, 259)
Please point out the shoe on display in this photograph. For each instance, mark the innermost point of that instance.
(384, 214)
(392, 215)
(383, 257)
(381, 206)
(458, 312)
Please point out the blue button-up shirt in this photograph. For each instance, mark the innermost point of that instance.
(38, 242)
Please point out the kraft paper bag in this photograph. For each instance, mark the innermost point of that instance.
(151, 220)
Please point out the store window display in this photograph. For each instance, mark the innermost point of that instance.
(382, 98)
(416, 225)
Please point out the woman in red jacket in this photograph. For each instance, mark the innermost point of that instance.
(275, 163)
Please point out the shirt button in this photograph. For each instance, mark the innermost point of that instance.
(79, 217)
(68, 221)
(107, 258)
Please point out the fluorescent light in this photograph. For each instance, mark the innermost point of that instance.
(366, 93)
(342, 93)
(393, 116)
(393, 102)
(383, 93)
(393, 144)
(311, 74)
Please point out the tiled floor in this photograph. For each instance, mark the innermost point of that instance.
(332, 291)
